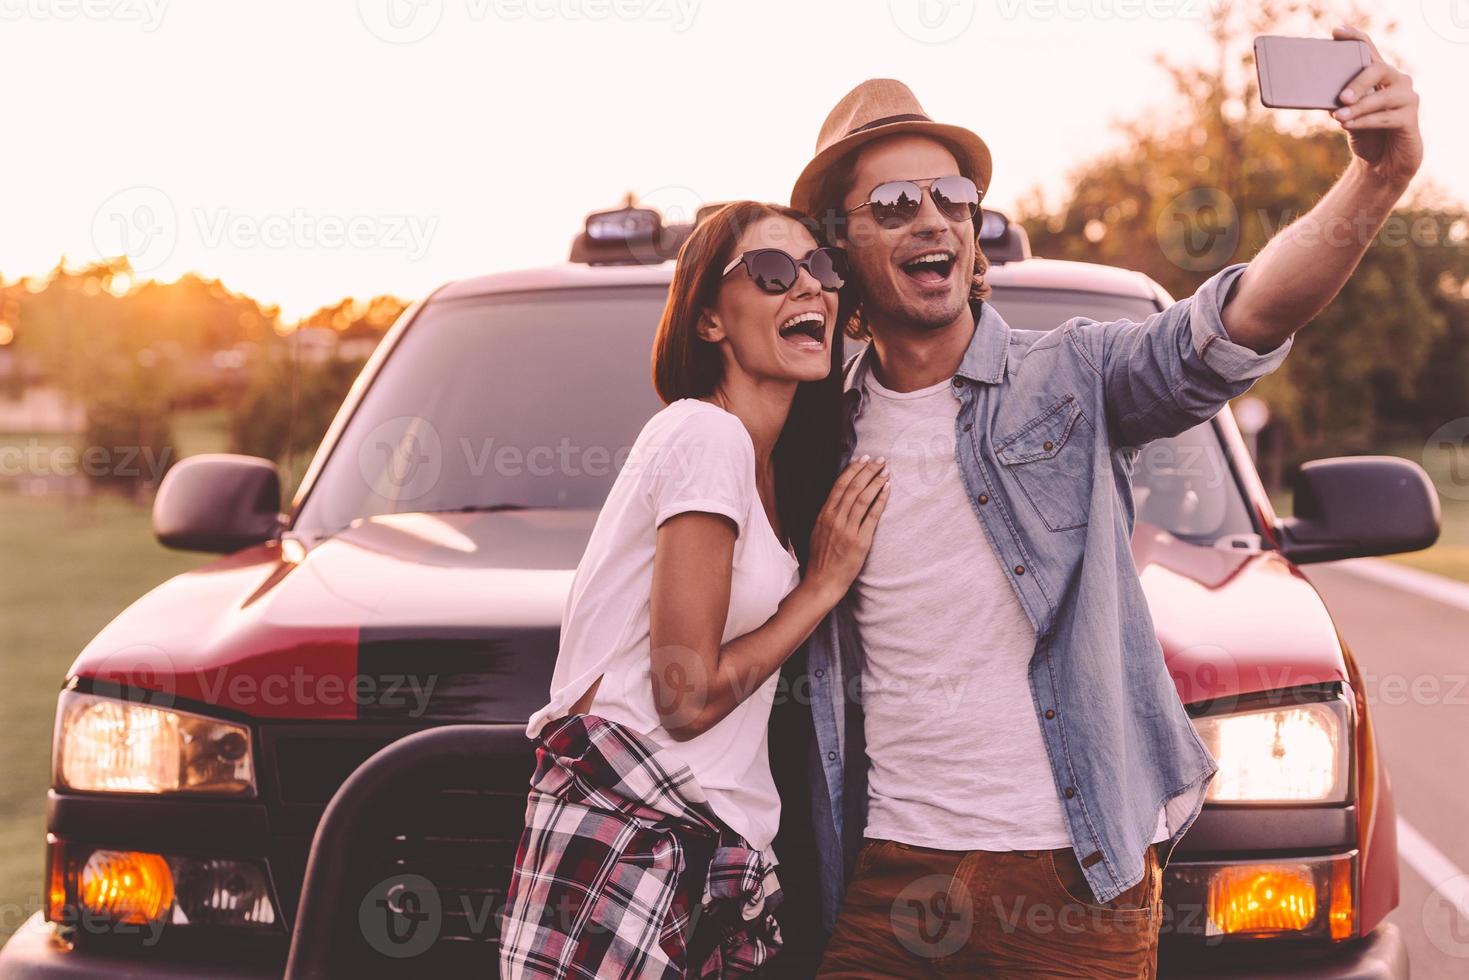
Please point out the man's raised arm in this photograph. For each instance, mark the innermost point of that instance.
(1306, 264)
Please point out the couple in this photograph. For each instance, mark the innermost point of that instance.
(952, 506)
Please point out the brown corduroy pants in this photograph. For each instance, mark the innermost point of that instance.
(921, 912)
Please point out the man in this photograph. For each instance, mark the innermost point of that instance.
(995, 725)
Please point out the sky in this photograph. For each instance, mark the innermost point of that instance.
(307, 150)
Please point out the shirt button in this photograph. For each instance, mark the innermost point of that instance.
(832, 756)
(958, 383)
(1019, 569)
(984, 498)
(1049, 445)
(1050, 713)
(968, 426)
(1070, 792)
(820, 672)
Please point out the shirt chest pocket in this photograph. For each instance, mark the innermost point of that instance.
(1050, 457)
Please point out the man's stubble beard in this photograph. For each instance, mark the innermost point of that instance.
(886, 308)
(882, 304)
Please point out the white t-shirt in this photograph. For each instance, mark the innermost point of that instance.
(691, 456)
(954, 745)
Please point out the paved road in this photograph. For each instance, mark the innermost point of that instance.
(1413, 650)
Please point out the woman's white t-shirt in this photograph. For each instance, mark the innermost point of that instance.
(691, 456)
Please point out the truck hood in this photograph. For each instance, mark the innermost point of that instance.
(404, 616)
(1234, 622)
(456, 617)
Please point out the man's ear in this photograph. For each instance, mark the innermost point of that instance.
(709, 328)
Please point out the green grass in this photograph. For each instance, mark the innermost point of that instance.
(201, 431)
(69, 570)
(69, 567)
(1450, 556)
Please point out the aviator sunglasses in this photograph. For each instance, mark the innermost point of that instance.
(896, 202)
(775, 271)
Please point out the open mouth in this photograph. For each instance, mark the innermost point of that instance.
(930, 268)
(805, 330)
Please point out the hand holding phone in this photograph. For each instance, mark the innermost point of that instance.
(1372, 101)
(1307, 72)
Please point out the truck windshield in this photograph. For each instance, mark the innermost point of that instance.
(533, 400)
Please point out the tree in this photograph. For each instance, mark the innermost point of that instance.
(130, 354)
(1209, 180)
(289, 400)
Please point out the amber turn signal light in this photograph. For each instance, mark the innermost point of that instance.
(126, 886)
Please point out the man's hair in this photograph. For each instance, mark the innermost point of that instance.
(833, 190)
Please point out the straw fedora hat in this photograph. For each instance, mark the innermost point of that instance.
(883, 107)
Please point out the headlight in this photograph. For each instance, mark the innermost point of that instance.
(104, 745)
(1293, 753)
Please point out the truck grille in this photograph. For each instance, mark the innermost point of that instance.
(462, 837)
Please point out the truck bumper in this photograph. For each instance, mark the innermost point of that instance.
(1380, 955)
(33, 954)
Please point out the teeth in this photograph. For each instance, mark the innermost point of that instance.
(812, 315)
(935, 257)
(805, 330)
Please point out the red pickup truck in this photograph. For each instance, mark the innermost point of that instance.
(416, 583)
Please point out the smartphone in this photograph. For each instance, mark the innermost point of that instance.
(1306, 72)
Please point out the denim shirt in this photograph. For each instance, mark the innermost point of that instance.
(1050, 424)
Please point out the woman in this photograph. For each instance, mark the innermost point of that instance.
(646, 851)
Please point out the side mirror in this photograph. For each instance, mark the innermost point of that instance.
(1357, 506)
(219, 502)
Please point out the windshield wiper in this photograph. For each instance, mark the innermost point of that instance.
(472, 509)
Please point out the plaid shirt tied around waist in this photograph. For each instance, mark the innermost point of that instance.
(616, 830)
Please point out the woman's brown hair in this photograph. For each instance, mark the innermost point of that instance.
(687, 366)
